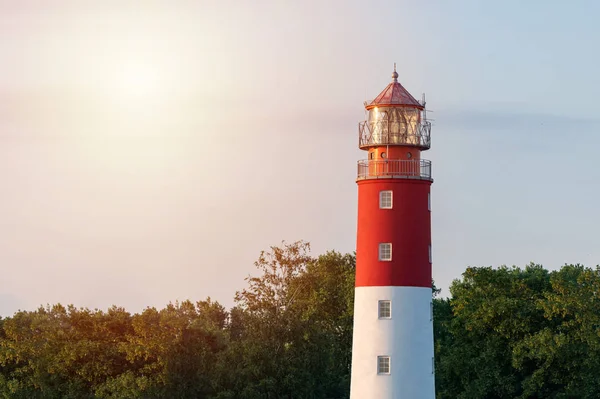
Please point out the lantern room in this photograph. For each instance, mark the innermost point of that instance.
(395, 117)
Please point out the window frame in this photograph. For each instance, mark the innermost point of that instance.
(379, 308)
(379, 252)
(379, 364)
(381, 194)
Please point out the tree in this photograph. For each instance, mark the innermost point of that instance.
(171, 352)
(327, 305)
(265, 349)
(291, 330)
(564, 352)
(492, 311)
(503, 333)
(58, 352)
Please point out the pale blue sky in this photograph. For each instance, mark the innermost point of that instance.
(148, 153)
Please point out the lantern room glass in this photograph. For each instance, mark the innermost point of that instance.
(398, 125)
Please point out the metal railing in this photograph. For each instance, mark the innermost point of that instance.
(387, 132)
(394, 169)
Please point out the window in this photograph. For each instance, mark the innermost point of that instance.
(385, 200)
(385, 309)
(371, 155)
(432, 365)
(382, 155)
(429, 253)
(429, 202)
(383, 365)
(431, 311)
(385, 251)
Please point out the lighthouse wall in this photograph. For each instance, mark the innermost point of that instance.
(407, 226)
(406, 337)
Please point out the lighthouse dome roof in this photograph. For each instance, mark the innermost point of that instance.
(394, 95)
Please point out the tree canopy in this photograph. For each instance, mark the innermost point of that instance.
(503, 332)
(519, 333)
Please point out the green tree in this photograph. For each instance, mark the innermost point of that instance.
(327, 307)
(58, 352)
(266, 350)
(171, 352)
(564, 352)
(291, 329)
(492, 311)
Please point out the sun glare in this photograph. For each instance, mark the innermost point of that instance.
(139, 80)
(139, 83)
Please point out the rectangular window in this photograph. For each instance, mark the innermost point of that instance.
(431, 311)
(383, 365)
(385, 251)
(432, 365)
(385, 200)
(385, 309)
(429, 202)
(430, 260)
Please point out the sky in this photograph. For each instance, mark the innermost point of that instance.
(150, 150)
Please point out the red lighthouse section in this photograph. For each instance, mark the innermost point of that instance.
(394, 222)
(393, 240)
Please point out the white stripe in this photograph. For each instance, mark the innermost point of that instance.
(407, 338)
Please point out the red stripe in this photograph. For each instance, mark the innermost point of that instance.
(407, 226)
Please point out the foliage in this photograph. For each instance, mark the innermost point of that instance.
(508, 332)
(297, 326)
(519, 333)
(289, 335)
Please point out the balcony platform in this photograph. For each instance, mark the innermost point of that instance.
(419, 169)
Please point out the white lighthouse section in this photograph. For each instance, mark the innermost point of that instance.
(406, 338)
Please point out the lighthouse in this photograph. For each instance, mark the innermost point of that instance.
(392, 347)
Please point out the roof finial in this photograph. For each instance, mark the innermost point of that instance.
(395, 74)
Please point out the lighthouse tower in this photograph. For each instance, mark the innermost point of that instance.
(392, 350)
